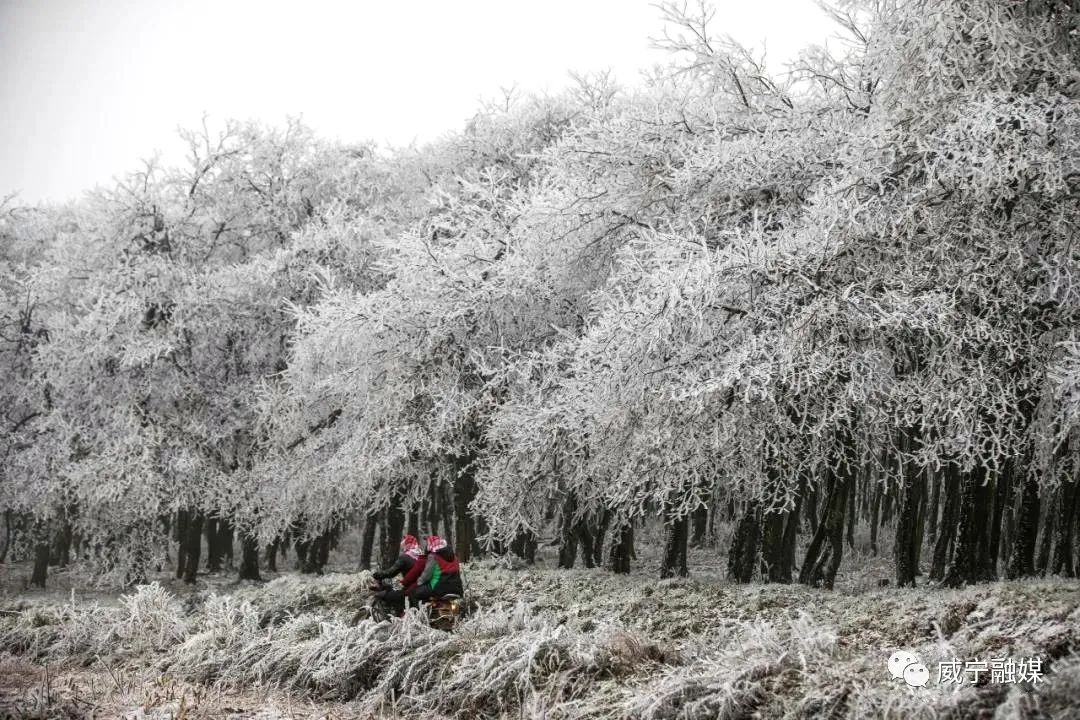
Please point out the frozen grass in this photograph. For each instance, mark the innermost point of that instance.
(147, 621)
(580, 644)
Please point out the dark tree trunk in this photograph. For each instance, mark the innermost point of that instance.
(1076, 541)
(1008, 525)
(602, 522)
(393, 529)
(9, 520)
(713, 513)
(875, 507)
(701, 525)
(972, 533)
(412, 516)
(1022, 559)
(675, 542)
(312, 553)
(743, 553)
(906, 549)
(812, 509)
(524, 546)
(61, 547)
(446, 508)
(249, 557)
(586, 541)
(192, 546)
(815, 549)
(1076, 538)
(180, 529)
(774, 567)
(886, 507)
(301, 548)
(568, 538)
(321, 549)
(434, 507)
(826, 549)
(920, 521)
(984, 568)
(214, 548)
(623, 549)
(367, 540)
(464, 524)
(41, 565)
(1066, 523)
(585, 532)
(271, 555)
(1002, 499)
(1049, 525)
(836, 543)
(225, 541)
(851, 519)
(946, 536)
(932, 511)
(791, 533)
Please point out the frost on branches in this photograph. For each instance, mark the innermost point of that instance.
(788, 302)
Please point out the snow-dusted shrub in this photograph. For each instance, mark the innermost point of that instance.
(274, 656)
(732, 679)
(222, 629)
(69, 630)
(155, 619)
(290, 595)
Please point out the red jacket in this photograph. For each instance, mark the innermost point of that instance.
(408, 580)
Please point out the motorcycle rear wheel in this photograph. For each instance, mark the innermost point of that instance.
(378, 611)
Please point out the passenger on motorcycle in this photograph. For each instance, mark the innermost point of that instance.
(442, 572)
(410, 565)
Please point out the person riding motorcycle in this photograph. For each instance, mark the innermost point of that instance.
(410, 564)
(442, 572)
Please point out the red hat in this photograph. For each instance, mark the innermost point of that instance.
(435, 543)
(411, 546)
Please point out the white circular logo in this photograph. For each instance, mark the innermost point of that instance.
(904, 665)
(900, 660)
(916, 674)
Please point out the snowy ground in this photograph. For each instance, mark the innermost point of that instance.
(540, 643)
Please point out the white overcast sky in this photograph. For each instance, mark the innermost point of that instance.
(88, 87)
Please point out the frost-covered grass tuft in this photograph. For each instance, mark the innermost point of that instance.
(61, 631)
(734, 672)
(151, 619)
(289, 595)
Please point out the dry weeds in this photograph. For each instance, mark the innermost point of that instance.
(552, 644)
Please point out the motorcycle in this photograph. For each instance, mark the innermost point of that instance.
(445, 612)
(442, 613)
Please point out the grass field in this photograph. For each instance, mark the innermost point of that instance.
(539, 643)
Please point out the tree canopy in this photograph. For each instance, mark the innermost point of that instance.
(783, 294)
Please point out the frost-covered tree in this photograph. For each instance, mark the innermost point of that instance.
(183, 316)
(785, 303)
(874, 298)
